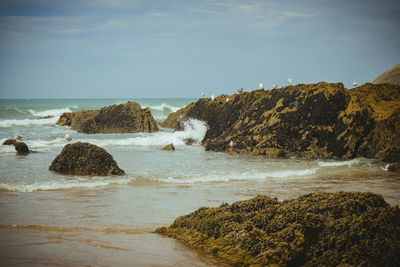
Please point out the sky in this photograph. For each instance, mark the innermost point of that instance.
(180, 48)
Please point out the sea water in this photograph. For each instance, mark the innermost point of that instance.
(52, 219)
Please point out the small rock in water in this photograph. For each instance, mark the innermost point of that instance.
(169, 147)
(189, 141)
(22, 148)
(9, 142)
(45, 117)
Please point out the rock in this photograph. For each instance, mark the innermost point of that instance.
(22, 148)
(391, 76)
(323, 120)
(45, 117)
(85, 159)
(189, 141)
(394, 167)
(9, 142)
(319, 229)
(123, 118)
(168, 147)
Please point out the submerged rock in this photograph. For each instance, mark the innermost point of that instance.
(22, 148)
(323, 120)
(46, 117)
(9, 142)
(123, 118)
(319, 229)
(85, 159)
(168, 147)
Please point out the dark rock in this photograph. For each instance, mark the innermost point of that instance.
(123, 118)
(391, 76)
(323, 120)
(45, 117)
(320, 229)
(394, 167)
(85, 159)
(189, 141)
(22, 148)
(169, 147)
(9, 142)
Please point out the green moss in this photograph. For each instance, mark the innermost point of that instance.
(315, 229)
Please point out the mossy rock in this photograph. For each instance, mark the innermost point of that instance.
(319, 229)
(85, 159)
(322, 120)
(122, 118)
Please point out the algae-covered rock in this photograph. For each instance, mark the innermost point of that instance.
(319, 229)
(85, 159)
(323, 120)
(169, 147)
(123, 118)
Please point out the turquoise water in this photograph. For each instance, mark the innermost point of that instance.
(109, 220)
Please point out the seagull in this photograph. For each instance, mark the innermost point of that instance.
(355, 84)
(231, 143)
(240, 90)
(68, 137)
(227, 99)
(212, 97)
(261, 85)
(274, 86)
(290, 81)
(203, 94)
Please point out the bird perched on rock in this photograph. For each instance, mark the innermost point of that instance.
(355, 84)
(290, 81)
(274, 86)
(227, 99)
(231, 143)
(203, 94)
(240, 90)
(68, 137)
(261, 85)
(212, 97)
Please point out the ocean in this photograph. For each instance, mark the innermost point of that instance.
(52, 219)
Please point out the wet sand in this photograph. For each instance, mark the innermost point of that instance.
(114, 225)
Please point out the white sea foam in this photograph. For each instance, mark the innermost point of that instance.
(165, 107)
(25, 122)
(237, 176)
(348, 163)
(63, 184)
(51, 112)
(193, 129)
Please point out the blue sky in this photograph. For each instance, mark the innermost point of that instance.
(122, 48)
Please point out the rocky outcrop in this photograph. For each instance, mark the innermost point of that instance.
(320, 229)
(123, 118)
(168, 147)
(46, 117)
(391, 76)
(323, 120)
(21, 148)
(85, 159)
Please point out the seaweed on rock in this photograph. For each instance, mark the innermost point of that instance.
(319, 229)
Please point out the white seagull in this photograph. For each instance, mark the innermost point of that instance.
(290, 81)
(274, 86)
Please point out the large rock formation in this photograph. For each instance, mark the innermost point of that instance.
(323, 120)
(85, 159)
(391, 76)
(123, 118)
(340, 229)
